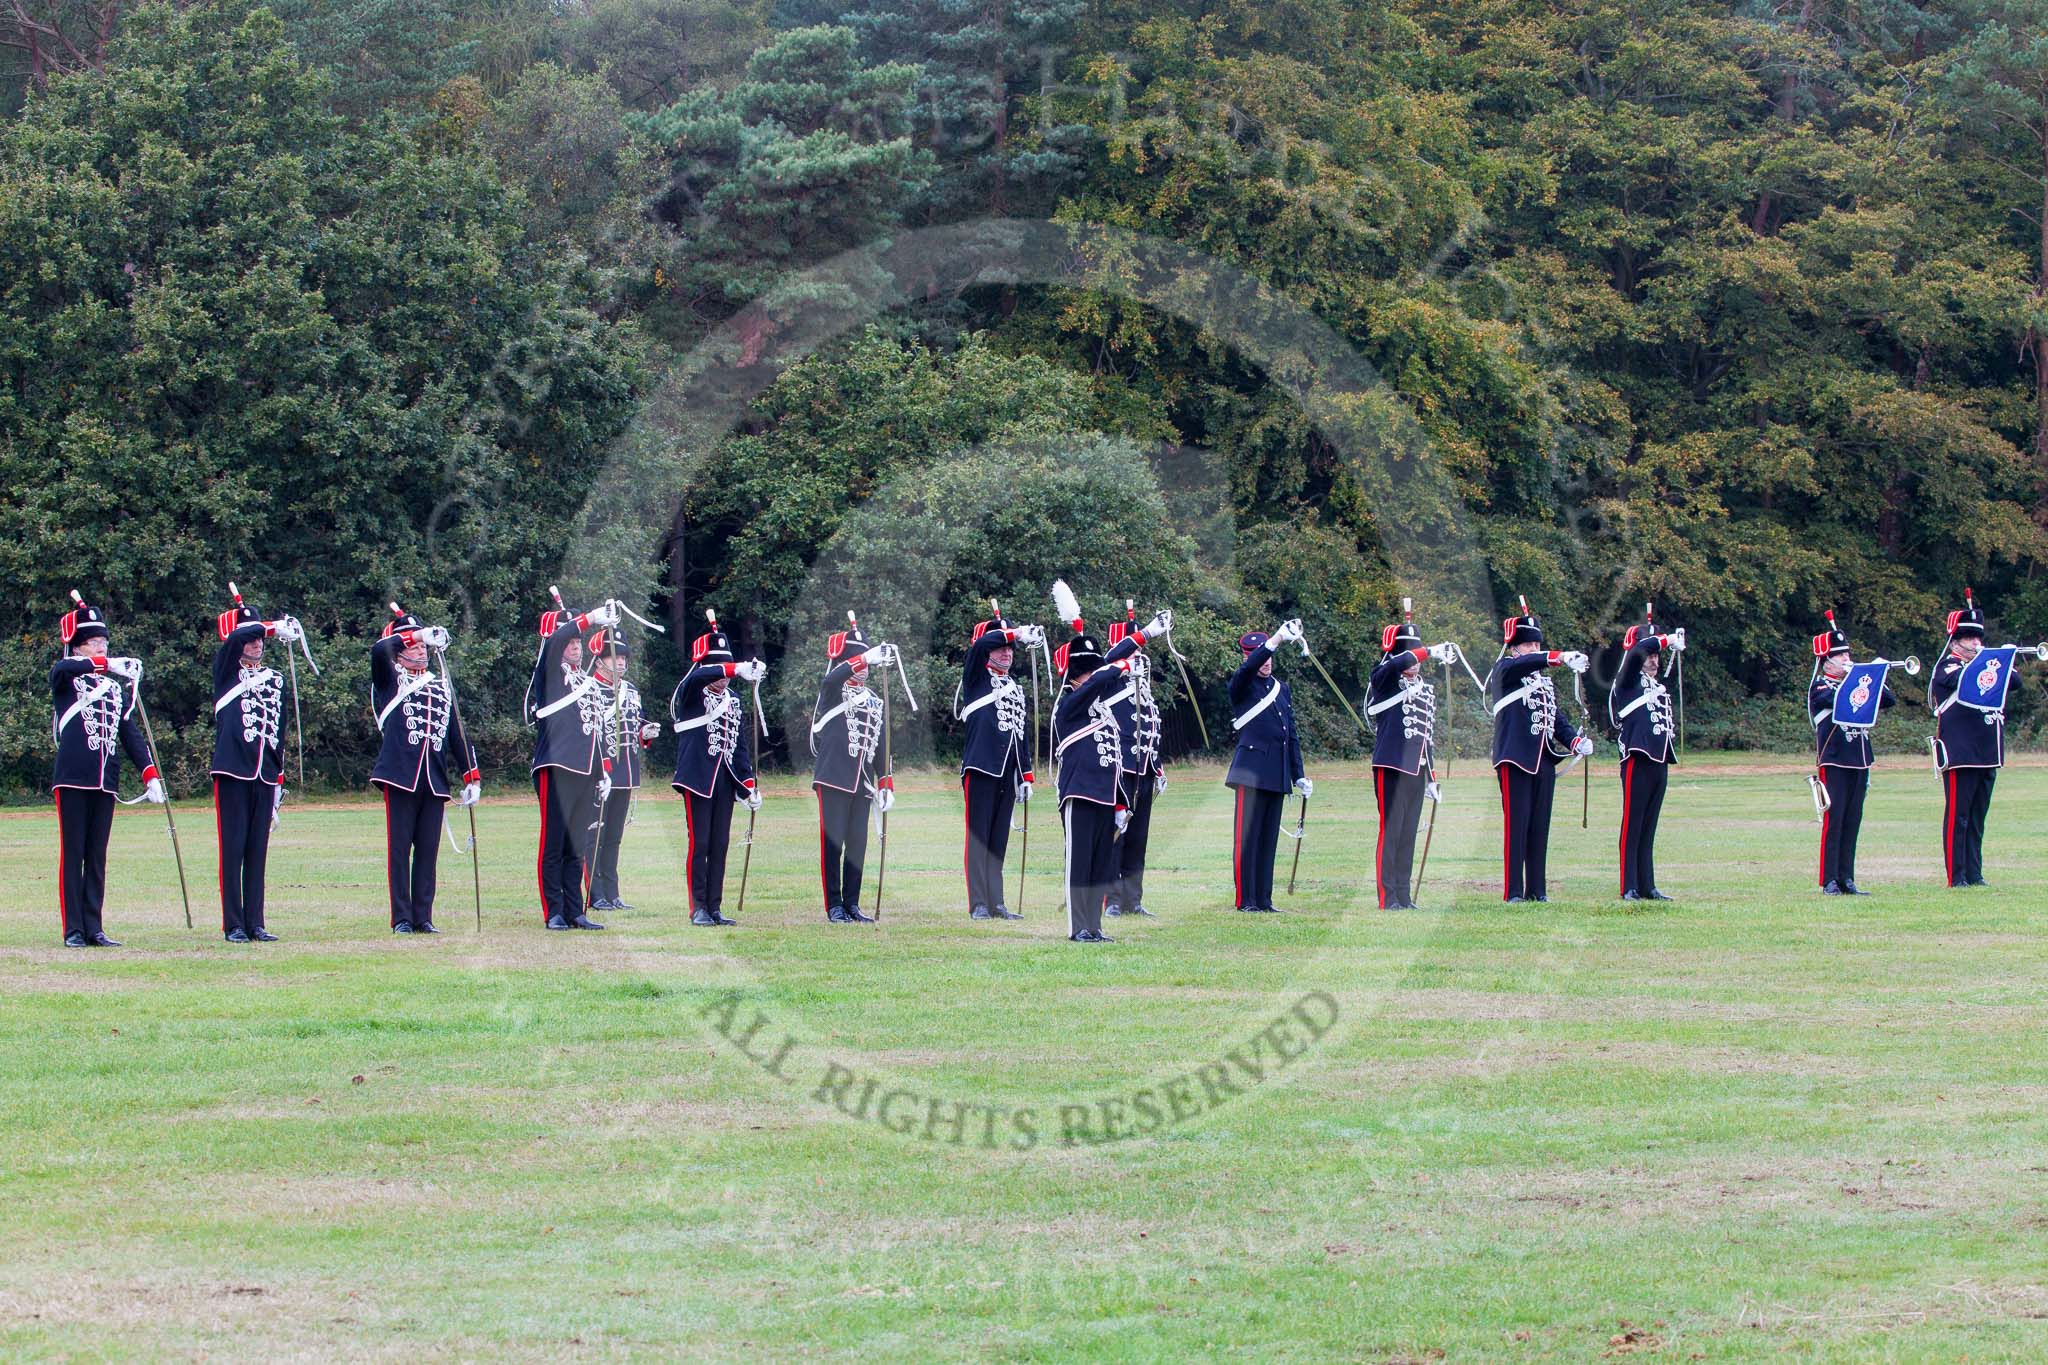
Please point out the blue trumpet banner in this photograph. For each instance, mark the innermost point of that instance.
(1861, 694)
(1985, 678)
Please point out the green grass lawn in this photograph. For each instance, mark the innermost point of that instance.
(1752, 1122)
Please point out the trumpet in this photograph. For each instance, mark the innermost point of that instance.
(2039, 651)
(1911, 663)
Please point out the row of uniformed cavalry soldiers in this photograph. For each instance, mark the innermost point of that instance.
(592, 737)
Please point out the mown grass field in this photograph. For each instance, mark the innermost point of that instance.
(1751, 1123)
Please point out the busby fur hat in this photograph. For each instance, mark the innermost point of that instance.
(1522, 629)
(1119, 631)
(1646, 633)
(401, 619)
(81, 623)
(1401, 635)
(713, 646)
(1968, 622)
(240, 614)
(1082, 654)
(852, 640)
(1833, 640)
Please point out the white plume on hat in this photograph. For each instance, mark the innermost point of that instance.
(1066, 604)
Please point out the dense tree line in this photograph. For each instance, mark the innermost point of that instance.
(1739, 306)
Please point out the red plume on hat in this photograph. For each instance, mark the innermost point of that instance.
(1831, 639)
(1968, 619)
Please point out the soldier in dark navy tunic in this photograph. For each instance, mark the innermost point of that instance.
(714, 768)
(1531, 737)
(93, 721)
(1639, 708)
(1140, 726)
(248, 763)
(995, 763)
(846, 733)
(1969, 749)
(1401, 707)
(422, 746)
(1842, 760)
(1266, 766)
(1088, 753)
(627, 735)
(564, 708)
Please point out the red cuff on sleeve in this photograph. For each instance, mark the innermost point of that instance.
(149, 774)
(99, 665)
(408, 638)
(731, 670)
(607, 767)
(1555, 657)
(1029, 778)
(748, 784)
(583, 621)
(1421, 653)
(1139, 636)
(887, 784)
(472, 776)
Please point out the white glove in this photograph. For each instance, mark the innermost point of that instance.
(753, 798)
(1304, 786)
(1583, 747)
(753, 670)
(881, 656)
(604, 788)
(1123, 820)
(1159, 625)
(131, 669)
(289, 630)
(154, 790)
(1285, 631)
(604, 614)
(885, 800)
(276, 806)
(433, 637)
(1159, 785)
(1677, 640)
(472, 792)
(1432, 792)
(1574, 660)
(1031, 636)
(1445, 653)
(649, 733)
(1024, 790)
